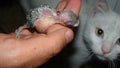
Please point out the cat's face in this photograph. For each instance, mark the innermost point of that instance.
(102, 33)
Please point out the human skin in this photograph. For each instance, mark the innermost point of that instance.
(34, 49)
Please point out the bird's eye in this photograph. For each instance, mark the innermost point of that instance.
(99, 32)
(118, 41)
(58, 13)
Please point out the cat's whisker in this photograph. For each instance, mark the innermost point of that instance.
(90, 50)
(90, 55)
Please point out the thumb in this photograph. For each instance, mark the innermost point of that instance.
(59, 36)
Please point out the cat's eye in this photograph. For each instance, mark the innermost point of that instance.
(118, 41)
(99, 32)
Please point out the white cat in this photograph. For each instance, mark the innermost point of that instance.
(98, 33)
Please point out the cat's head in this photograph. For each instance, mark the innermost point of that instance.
(102, 32)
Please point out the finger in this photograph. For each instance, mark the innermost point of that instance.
(57, 37)
(68, 4)
(59, 32)
(61, 5)
(74, 5)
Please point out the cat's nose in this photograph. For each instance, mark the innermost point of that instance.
(105, 50)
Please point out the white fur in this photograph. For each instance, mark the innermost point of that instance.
(106, 20)
(110, 24)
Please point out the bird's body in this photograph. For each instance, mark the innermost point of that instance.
(43, 17)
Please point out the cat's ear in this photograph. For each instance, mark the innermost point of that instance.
(101, 6)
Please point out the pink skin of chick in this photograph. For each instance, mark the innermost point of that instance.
(43, 17)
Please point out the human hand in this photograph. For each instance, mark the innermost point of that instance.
(34, 49)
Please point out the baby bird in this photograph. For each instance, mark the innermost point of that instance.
(43, 17)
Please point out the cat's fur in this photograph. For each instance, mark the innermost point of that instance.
(87, 42)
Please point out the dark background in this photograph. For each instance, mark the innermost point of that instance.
(11, 15)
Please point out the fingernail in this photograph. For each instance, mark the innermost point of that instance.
(69, 36)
